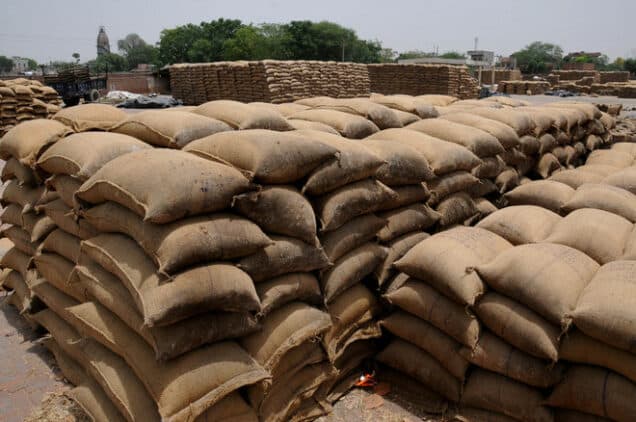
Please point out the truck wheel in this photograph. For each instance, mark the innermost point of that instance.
(71, 101)
(92, 96)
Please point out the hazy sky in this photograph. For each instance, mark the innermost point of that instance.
(54, 29)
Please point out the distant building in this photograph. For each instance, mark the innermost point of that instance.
(103, 45)
(20, 65)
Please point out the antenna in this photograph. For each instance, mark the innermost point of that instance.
(476, 43)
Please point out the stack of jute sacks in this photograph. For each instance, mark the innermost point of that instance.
(23, 99)
(523, 87)
(499, 75)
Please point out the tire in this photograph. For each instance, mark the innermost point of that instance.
(92, 96)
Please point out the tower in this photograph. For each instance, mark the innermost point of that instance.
(103, 45)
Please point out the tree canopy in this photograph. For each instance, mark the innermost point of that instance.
(136, 51)
(6, 64)
(539, 57)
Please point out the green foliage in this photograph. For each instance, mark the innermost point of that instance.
(136, 51)
(248, 43)
(110, 62)
(630, 65)
(76, 56)
(32, 64)
(539, 57)
(413, 54)
(452, 55)
(6, 64)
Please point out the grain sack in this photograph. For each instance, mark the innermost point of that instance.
(494, 392)
(266, 156)
(182, 387)
(547, 165)
(63, 243)
(520, 122)
(17, 261)
(185, 242)
(307, 125)
(603, 197)
(507, 180)
(624, 179)
(348, 125)
(82, 154)
(519, 326)
(13, 169)
(20, 239)
(521, 224)
(65, 186)
(579, 348)
(162, 301)
(94, 402)
(471, 414)
(421, 108)
(627, 147)
(599, 234)
(350, 235)
(243, 116)
(406, 195)
(172, 130)
(593, 142)
(354, 162)
(382, 116)
(183, 185)
(231, 408)
(12, 214)
(405, 118)
(596, 391)
(22, 297)
(23, 195)
(407, 219)
(605, 309)
(403, 165)
(565, 415)
(420, 365)
(424, 302)
(600, 169)
(396, 250)
(485, 207)
(576, 177)
(428, 338)
(506, 136)
(28, 140)
(85, 117)
(71, 370)
(489, 168)
(456, 209)
(351, 269)
(481, 143)
(543, 193)
(265, 207)
(530, 145)
(64, 218)
(348, 202)
(610, 158)
(57, 271)
(483, 188)
(630, 247)
(494, 354)
(443, 157)
(443, 258)
(286, 109)
(53, 298)
(450, 183)
(284, 255)
(278, 291)
(37, 225)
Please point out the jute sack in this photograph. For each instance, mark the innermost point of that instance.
(264, 155)
(576, 177)
(64, 218)
(407, 219)
(85, 117)
(443, 157)
(162, 301)
(279, 210)
(506, 136)
(172, 130)
(23, 195)
(406, 118)
(596, 391)
(65, 186)
(605, 308)
(38, 226)
(403, 165)
(593, 142)
(494, 392)
(21, 239)
(442, 261)
(13, 169)
(521, 224)
(416, 363)
(243, 116)
(185, 242)
(26, 141)
(94, 402)
(610, 158)
(603, 197)
(350, 235)
(57, 271)
(547, 165)
(348, 125)
(17, 260)
(285, 109)
(82, 154)
(624, 179)
(55, 299)
(283, 329)
(543, 193)
(485, 208)
(307, 125)
(382, 116)
(407, 195)
(630, 247)
(471, 414)
(589, 110)
(342, 205)
(66, 337)
(494, 354)
(479, 142)
(546, 277)
(351, 269)
(428, 338)
(396, 250)
(419, 107)
(63, 243)
(232, 408)
(22, 297)
(457, 208)
(520, 122)
(490, 167)
(627, 147)
(483, 188)
(437, 100)
(507, 180)
(167, 341)
(579, 348)
(529, 145)
(182, 387)
(278, 291)
(600, 169)
(599, 234)
(71, 370)
(182, 185)
(519, 326)
(425, 302)
(566, 415)
(450, 183)
(285, 255)
(354, 162)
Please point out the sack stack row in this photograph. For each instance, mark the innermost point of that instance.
(24, 99)
(419, 79)
(523, 87)
(267, 81)
(499, 75)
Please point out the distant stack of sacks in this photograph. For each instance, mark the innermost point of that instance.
(523, 87)
(499, 75)
(23, 99)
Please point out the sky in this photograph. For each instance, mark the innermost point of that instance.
(48, 30)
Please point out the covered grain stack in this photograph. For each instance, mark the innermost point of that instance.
(23, 99)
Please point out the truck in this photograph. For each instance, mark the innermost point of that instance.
(74, 83)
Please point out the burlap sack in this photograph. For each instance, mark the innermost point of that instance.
(28, 140)
(65, 186)
(407, 219)
(543, 193)
(624, 179)
(403, 164)
(278, 291)
(506, 136)
(13, 169)
(521, 224)
(243, 116)
(396, 250)
(85, 117)
(350, 235)
(576, 177)
(603, 197)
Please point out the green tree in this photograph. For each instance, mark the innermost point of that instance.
(630, 65)
(110, 62)
(452, 55)
(136, 51)
(6, 64)
(248, 43)
(539, 57)
(32, 64)
(413, 54)
(175, 44)
(199, 51)
(76, 56)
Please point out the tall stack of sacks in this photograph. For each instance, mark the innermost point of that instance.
(284, 271)
(432, 318)
(166, 295)
(22, 198)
